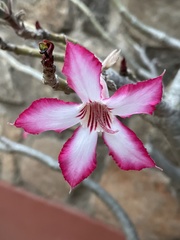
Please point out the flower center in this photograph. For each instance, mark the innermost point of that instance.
(96, 116)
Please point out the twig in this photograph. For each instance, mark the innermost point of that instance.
(172, 171)
(97, 26)
(166, 118)
(24, 50)
(21, 67)
(9, 146)
(60, 85)
(145, 60)
(173, 92)
(15, 20)
(151, 32)
(114, 206)
(139, 70)
(49, 69)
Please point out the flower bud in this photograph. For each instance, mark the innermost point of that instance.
(111, 59)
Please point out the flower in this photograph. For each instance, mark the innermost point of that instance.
(96, 113)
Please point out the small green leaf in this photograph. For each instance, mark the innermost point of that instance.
(43, 46)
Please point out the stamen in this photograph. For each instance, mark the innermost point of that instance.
(97, 117)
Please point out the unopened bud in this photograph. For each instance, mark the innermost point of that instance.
(111, 59)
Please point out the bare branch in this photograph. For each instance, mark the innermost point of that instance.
(151, 32)
(173, 92)
(102, 32)
(49, 69)
(145, 60)
(15, 20)
(24, 50)
(172, 171)
(166, 119)
(58, 84)
(21, 67)
(9, 146)
(114, 206)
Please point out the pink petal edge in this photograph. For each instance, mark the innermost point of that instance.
(77, 158)
(141, 97)
(48, 114)
(127, 149)
(82, 70)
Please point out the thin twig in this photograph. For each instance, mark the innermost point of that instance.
(9, 146)
(20, 66)
(145, 60)
(166, 118)
(114, 206)
(173, 92)
(49, 69)
(172, 171)
(24, 50)
(151, 32)
(102, 32)
(61, 84)
(15, 20)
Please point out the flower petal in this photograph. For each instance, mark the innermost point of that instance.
(136, 98)
(48, 114)
(126, 149)
(104, 92)
(82, 70)
(77, 158)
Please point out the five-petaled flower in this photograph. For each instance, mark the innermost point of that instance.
(96, 113)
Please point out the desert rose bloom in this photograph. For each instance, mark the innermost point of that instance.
(96, 113)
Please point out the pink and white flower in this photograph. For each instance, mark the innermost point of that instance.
(96, 113)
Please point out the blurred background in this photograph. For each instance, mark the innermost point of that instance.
(148, 196)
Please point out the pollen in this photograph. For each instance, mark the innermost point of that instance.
(96, 116)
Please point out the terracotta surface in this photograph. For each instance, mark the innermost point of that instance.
(24, 216)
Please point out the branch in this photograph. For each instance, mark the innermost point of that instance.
(145, 60)
(166, 119)
(19, 50)
(157, 35)
(173, 92)
(97, 26)
(139, 70)
(49, 69)
(114, 206)
(15, 20)
(21, 67)
(172, 171)
(9, 146)
(57, 83)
